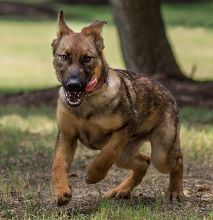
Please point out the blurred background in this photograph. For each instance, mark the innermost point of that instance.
(29, 26)
(169, 40)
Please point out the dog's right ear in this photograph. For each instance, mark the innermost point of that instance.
(63, 29)
(62, 26)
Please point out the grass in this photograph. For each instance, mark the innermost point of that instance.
(26, 160)
(138, 212)
(25, 63)
(27, 135)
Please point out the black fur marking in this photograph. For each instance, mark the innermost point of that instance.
(129, 74)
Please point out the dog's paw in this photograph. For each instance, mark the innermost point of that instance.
(118, 193)
(175, 196)
(63, 196)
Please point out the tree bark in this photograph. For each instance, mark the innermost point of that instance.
(144, 42)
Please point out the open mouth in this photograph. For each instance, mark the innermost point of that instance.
(74, 98)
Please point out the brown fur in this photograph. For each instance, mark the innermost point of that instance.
(116, 118)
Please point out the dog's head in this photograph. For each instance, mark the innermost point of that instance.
(78, 59)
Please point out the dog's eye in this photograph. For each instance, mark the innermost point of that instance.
(86, 59)
(63, 57)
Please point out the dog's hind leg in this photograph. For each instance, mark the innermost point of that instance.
(166, 155)
(132, 159)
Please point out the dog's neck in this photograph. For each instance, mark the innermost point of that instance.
(103, 81)
(104, 78)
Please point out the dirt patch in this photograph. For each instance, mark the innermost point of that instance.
(86, 199)
(187, 93)
(150, 193)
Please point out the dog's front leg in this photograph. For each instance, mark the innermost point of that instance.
(109, 154)
(64, 153)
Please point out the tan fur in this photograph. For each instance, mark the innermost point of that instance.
(116, 119)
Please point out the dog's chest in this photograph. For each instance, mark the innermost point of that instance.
(96, 131)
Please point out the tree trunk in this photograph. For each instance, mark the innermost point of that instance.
(143, 38)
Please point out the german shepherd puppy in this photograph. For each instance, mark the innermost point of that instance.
(113, 111)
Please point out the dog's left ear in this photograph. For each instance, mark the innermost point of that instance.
(95, 30)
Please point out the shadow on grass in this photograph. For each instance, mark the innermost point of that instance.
(189, 14)
(25, 150)
(197, 116)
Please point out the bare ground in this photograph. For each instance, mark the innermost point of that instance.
(86, 199)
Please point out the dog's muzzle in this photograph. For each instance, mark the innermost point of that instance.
(75, 92)
(74, 98)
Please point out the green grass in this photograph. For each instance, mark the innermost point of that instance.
(26, 61)
(26, 148)
(28, 134)
(137, 212)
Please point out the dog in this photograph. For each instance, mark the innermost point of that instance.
(113, 111)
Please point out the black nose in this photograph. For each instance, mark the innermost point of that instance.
(73, 84)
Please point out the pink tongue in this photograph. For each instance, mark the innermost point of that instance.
(91, 85)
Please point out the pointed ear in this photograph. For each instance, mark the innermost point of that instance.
(62, 26)
(94, 28)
